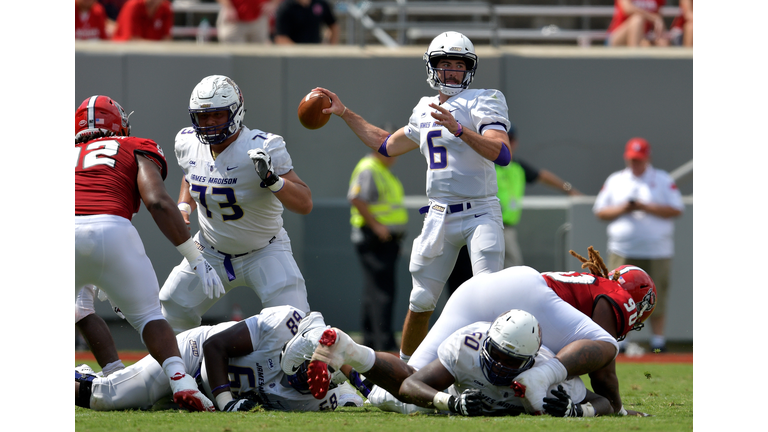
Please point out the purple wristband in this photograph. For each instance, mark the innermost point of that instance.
(459, 131)
(383, 147)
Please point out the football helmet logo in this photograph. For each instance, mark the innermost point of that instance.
(101, 114)
(216, 93)
(509, 349)
(642, 289)
(453, 45)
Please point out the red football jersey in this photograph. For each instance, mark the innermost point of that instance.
(92, 24)
(105, 174)
(582, 290)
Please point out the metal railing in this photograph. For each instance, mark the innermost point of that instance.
(403, 22)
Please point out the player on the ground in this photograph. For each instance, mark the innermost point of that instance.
(113, 173)
(239, 180)
(238, 364)
(462, 133)
(584, 344)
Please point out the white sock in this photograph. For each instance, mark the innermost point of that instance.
(112, 368)
(173, 365)
(361, 358)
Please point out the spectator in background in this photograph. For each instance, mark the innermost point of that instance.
(637, 23)
(301, 22)
(112, 8)
(90, 20)
(144, 20)
(681, 30)
(639, 202)
(512, 180)
(241, 21)
(378, 221)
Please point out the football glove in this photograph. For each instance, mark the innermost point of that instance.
(263, 164)
(561, 405)
(243, 404)
(211, 283)
(469, 403)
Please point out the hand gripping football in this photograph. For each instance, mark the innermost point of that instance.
(311, 110)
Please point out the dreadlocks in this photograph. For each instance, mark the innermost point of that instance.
(595, 263)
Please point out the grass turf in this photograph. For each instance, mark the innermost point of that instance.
(663, 390)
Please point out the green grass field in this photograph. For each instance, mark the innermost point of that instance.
(663, 390)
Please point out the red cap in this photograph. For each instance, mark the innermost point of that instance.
(637, 148)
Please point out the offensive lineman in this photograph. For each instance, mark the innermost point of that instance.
(239, 180)
(248, 350)
(113, 173)
(462, 133)
(581, 315)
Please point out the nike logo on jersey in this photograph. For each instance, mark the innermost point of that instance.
(481, 214)
(229, 168)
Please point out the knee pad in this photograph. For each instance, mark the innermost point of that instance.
(423, 300)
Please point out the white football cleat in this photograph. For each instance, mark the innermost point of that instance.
(186, 394)
(303, 344)
(347, 396)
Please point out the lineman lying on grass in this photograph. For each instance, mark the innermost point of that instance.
(248, 351)
(476, 365)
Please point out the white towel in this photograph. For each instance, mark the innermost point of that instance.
(430, 242)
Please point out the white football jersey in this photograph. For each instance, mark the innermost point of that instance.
(236, 215)
(460, 354)
(260, 370)
(454, 169)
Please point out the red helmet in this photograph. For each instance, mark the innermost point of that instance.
(642, 289)
(101, 114)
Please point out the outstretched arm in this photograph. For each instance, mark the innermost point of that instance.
(370, 135)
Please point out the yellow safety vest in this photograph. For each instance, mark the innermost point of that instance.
(511, 181)
(388, 210)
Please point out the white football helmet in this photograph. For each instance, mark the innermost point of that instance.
(453, 45)
(216, 93)
(516, 335)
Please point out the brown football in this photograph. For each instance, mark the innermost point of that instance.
(311, 110)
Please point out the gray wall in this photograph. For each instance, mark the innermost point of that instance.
(573, 108)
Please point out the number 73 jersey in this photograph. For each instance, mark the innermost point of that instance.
(105, 174)
(583, 290)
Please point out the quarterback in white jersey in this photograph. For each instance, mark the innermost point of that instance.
(235, 362)
(239, 180)
(462, 133)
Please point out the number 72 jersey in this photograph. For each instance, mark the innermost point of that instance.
(583, 290)
(105, 174)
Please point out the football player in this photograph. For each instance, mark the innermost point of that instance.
(581, 314)
(238, 180)
(237, 363)
(113, 173)
(478, 363)
(462, 134)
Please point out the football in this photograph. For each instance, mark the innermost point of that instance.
(311, 110)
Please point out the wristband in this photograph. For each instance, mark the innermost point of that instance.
(459, 131)
(189, 250)
(343, 112)
(185, 207)
(440, 401)
(276, 186)
(223, 398)
(567, 187)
